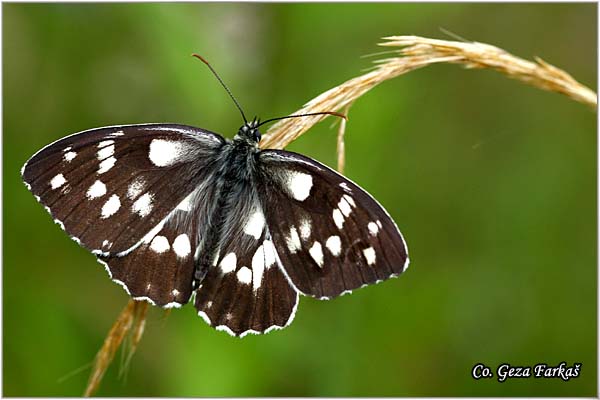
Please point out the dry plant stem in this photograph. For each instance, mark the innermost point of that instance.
(130, 320)
(341, 146)
(417, 52)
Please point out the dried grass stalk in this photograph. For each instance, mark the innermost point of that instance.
(417, 52)
(130, 321)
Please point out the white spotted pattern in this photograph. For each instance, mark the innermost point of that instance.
(164, 152)
(111, 206)
(270, 253)
(175, 292)
(135, 188)
(293, 241)
(143, 205)
(305, 228)
(338, 218)
(228, 263)
(299, 185)
(349, 199)
(182, 246)
(369, 254)
(344, 207)
(98, 189)
(316, 252)
(334, 244)
(255, 225)
(160, 244)
(57, 181)
(373, 228)
(258, 267)
(107, 149)
(70, 156)
(244, 275)
(107, 164)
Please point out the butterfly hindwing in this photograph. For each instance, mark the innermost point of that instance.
(245, 291)
(161, 268)
(108, 187)
(330, 235)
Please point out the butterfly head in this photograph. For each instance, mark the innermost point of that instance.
(249, 132)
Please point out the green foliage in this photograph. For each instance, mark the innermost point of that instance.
(492, 182)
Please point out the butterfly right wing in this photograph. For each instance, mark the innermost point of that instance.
(108, 187)
(330, 234)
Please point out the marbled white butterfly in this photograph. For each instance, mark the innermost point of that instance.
(173, 210)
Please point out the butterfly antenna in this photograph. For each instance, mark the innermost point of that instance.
(199, 57)
(305, 115)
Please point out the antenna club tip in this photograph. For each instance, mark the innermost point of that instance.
(337, 115)
(199, 57)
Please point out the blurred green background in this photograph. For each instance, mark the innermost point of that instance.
(492, 182)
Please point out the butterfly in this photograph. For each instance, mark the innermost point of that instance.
(178, 214)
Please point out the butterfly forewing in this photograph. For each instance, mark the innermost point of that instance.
(108, 187)
(330, 235)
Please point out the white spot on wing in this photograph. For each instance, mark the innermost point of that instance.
(107, 149)
(378, 223)
(228, 263)
(117, 133)
(373, 228)
(334, 244)
(135, 188)
(369, 254)
(57, 181)
(98, 189)
(181, 245)
(255, 224)
(175, 292)
(338, 218)
(299, 184)
(316, 252)
(106, 165)
(293, 241)
(143, 205)
(349, 199)
(160, 244)
(244, 275)
(258, 267)
(270, 253)
(344, 207)
(345, 186)
(305, 228)
(164, 152)
(111, 206)
(70, 156)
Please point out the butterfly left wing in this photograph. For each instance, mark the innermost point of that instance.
(331, 236)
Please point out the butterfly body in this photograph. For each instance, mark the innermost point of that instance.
(173, 210)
